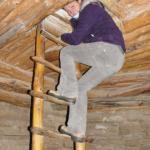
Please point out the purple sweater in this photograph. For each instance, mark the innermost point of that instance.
(94, 24)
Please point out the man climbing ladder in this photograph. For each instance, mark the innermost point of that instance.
(95, 41)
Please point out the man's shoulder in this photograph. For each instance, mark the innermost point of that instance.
(92, 8)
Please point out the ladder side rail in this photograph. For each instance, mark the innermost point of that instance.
(38, 86)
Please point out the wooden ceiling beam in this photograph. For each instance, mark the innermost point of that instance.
(10, 5)
(14, 85)
(129, 90)
(123, 79)
(130, 37)
(123, 84)
(119, 102)
(136, 22)
(25, 16)
(114, 7)
(100, 104)
(20, 74)
(56, 26)
(132, 84)
(22, 100)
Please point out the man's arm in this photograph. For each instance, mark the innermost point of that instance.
(88, 18)
(74, 22)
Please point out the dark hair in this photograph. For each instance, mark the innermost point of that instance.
(100, 4)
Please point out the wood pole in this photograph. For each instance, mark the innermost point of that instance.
(37, 140)
(80, 146)
(49, 98)
(46, 63)
(38, 85)
(60, 42)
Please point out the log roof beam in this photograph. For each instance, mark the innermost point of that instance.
(25, 16)
(17, 73)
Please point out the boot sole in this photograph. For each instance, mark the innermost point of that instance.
(66, 99)
(73, 137)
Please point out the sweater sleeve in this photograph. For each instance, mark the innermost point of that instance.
(87, 19)
(74, 22)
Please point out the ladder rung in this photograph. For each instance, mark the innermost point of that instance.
(46, 63)
(46, 132)
(50, 36)
(49, 133)
(52, 66)
(48, 98)
(54, 48)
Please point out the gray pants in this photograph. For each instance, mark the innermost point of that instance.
(104, 58)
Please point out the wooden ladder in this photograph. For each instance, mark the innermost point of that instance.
(37, 129)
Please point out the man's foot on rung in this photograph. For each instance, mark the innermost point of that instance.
(61, 97)
(75, 137)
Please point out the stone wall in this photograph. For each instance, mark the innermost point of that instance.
(122, 129)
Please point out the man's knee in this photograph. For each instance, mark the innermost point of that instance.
(66, 49)
(64, 52)
(82, 89)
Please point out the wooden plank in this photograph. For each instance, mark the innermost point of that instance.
(142, 19)
(128, 102)
(120, 102)
(9, 5)
(125, 128)
(46, 63)
(14, 85)
(20, 74)
(113, 7)
(56, 26)
(141, 40)
(49, 98)
(133, 89)
(13, 50)
(38, 86)
(22, 100)
(47, 132)
(80, 146)
(124, 84)
(131, 36)
(25, 16)
(138, 60)
(124, 79)
(53, 38)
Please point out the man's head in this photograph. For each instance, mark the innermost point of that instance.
(73, 8)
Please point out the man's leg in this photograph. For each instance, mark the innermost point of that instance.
(83, 53)
(68, 85)
(78, 111)
(105, 64)
(68, 80)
